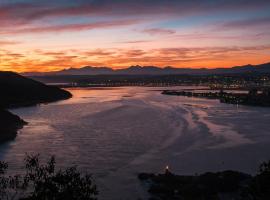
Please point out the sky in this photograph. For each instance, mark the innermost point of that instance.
(43, 35)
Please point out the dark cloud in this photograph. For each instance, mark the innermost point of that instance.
(159, 31)
(70, 27)
(246, 23)
(26, 11)
(216, 36)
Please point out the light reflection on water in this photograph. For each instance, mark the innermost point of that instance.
(115, 133)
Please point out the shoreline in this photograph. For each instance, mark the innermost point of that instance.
(18, 91)
(13, 123)
(252, 98)
(224, 185)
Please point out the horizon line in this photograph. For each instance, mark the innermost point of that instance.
(144, 66)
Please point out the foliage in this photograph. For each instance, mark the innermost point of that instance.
(260, 186)
(210, 186)
(44, 182)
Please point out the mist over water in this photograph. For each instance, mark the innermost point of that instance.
(116, 133)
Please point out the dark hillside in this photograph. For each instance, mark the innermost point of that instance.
(17, 91)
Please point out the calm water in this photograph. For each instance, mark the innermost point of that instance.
(117, 133)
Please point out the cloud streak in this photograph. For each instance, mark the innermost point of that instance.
(71, 27)
(6, 42)
(178, 57)
(246, 23)
(32, 11)
(159, 31)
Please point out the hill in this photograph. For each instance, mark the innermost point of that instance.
(10, 123)
(153, 70)
(17, 91)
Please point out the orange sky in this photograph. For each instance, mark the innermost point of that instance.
(47, 36)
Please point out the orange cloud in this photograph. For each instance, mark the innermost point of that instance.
(6, 42)
(210, 57)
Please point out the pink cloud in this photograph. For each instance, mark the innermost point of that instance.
(70, 27)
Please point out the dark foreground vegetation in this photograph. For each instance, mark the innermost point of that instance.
(226, 185)
(44, 182)
(10, 123)
(252, 98)
(17, 91)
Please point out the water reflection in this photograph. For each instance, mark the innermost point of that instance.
(118, 132)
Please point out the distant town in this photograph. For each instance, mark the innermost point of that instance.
(249, 89)
(222, 81)
(253, 97)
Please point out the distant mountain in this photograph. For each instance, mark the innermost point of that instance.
(87, 70)
(153, 70)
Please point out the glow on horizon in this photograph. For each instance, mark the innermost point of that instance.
(49, 36)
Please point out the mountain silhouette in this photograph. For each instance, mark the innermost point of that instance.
(153, 70)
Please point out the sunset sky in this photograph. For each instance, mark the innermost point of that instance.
(39, 35)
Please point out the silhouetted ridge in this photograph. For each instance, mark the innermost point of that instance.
(153, 70)
(17, 91)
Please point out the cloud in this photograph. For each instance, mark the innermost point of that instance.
(135, 41)
(70, 27)
(246, 23)
(133, 53)
(41, 60)
(6, 42)
(32, 11)
(98, 53)
(217, 36)
(158, 31)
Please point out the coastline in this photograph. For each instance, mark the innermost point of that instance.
(12, 123)
(252, 98)
(18, 91)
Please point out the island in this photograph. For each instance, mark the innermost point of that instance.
(253, 97)
(18, 91)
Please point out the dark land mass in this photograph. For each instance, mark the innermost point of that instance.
(10, 123)
(215, 81)
(225, 185)
(252, 98)
(17, 91)
(153, 70)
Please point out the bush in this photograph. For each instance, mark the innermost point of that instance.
(44, 182)
(260, 186)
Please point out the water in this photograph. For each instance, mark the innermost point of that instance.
(116, 133)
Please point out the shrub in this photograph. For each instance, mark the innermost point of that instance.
(44, 182)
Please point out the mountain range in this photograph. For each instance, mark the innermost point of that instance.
(153, 70)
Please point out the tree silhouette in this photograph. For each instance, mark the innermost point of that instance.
(44, 182)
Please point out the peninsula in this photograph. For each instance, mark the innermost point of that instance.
(18, 91)
(253, 97)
